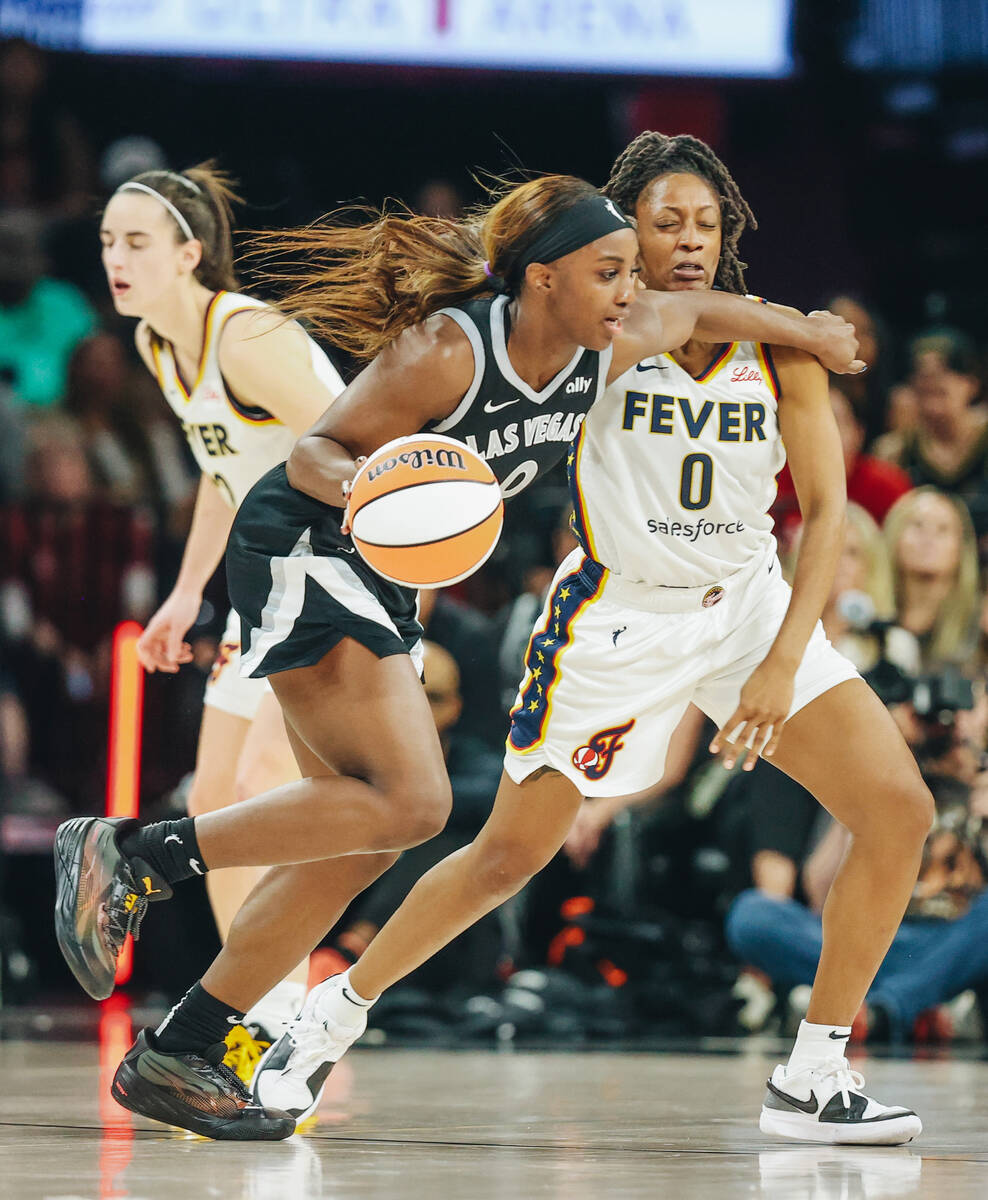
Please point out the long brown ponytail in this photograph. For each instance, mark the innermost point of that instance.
(204, 195)
(360, 283)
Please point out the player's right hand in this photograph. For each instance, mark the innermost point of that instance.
(161, 646)
(836, 344)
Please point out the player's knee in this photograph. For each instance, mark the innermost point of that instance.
(917, 812)
(504, 867)
(899, 810)
(421, 810)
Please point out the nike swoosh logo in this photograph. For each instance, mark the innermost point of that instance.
(348, 549)
(838, 1037)
(173, 837)
(807, 1106)
(194, 864)
(650, 367)
(233, 1020)
(349, 996)
(493, 408)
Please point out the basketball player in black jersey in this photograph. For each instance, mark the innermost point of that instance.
(472, 328)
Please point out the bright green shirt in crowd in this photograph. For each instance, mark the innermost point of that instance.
(37, 338)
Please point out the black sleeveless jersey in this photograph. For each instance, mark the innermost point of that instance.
(521, 433)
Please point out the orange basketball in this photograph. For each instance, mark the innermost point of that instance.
(425, 511)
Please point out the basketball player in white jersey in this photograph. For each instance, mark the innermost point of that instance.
(674, 597)
(244, 384)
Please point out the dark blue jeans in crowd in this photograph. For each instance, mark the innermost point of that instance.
(928, 962)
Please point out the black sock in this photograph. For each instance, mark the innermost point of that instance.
(197, 1022)
(168, 847)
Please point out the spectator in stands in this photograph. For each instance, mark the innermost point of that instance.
(99, 398)
(57, 468)
(867, 393)
(41, 319)
(940, 950)
(863, 595)
(438, 198)
(935, 571)
(44, 157)
(872, 483)
(949, 447)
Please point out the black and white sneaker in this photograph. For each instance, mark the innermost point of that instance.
(292, 1074)
(825, 1103)
(100, 897)
(195, 1092)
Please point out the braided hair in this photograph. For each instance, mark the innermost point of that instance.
(653, 154)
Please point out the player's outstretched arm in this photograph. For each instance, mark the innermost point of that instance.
(421, 377)
(661, 321)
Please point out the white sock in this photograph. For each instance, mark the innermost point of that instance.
(343, 1003)
(816, 1044)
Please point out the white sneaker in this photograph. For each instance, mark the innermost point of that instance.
(274, 1012)
(297, 1065)
(824, 1103)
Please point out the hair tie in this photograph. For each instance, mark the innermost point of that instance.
(496, 281)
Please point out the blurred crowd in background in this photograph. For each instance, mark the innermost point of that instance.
(694, 909)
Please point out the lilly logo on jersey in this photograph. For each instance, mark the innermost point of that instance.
(417, 459)
(595, 757)
(576, 387)
(746, 375)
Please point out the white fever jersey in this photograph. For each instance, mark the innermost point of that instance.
(234, 443)
(672, 476)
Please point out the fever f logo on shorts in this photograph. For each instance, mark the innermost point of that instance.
(595, 758)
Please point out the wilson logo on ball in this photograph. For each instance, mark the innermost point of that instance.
(425, 511)
(417, 459)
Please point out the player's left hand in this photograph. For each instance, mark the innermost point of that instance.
(756, 725)
(836, 343)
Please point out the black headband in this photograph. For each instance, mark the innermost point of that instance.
(586, 221)
(591, 218)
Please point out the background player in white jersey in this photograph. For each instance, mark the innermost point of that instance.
(244, 384)
(675, 597)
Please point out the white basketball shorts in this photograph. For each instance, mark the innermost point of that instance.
(226, 688)
(613, 665)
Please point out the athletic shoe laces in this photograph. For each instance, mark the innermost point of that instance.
(313, 1043)
(844, 1079)
(123, 912)
(218, 1071)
